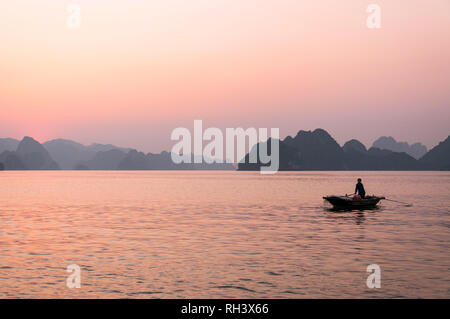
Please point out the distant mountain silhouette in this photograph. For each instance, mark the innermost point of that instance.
(416, 150)
(438, 158)
(139, 161)
(358, 158)
(317, 150)
(308, 150)
(8, 144)
(30, 154)
(162, 160)
(34, 155)
(356, 155)
(377, 159)
(105, 160)
(117, 159)
(73, 155)
(70, 154)
(354, 145)
(289, 157)
(134, 160)
(11, 161)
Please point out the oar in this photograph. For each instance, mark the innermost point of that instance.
(397, 201)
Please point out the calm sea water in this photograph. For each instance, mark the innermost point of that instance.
(221, 234)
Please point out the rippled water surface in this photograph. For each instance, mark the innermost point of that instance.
(221, 234)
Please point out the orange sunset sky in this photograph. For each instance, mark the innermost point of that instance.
(135, 70)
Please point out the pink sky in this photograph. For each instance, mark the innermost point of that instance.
(136, 70)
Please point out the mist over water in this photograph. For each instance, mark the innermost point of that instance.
(211, 234)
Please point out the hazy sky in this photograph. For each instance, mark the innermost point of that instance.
(136, 70)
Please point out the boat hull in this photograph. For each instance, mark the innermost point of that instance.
(346, 202)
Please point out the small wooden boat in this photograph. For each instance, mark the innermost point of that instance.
(347, 202)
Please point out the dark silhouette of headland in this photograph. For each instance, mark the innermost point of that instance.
(317, 150)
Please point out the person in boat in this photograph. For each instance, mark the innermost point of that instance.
(359, 189)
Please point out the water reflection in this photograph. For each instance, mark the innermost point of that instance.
(218, 234)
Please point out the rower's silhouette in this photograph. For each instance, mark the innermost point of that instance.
(359, 189)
